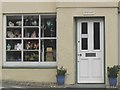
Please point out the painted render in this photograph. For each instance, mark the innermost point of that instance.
(66, 13)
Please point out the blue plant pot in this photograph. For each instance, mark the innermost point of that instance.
(60, 79)
(113, 81)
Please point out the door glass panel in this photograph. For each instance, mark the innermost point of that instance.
(84, 28)
(84, 44)
(96, 35)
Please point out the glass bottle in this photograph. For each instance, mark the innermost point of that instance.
(8, 46)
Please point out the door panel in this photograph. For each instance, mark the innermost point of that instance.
(96, 62)
(90, 53)
(84, 64)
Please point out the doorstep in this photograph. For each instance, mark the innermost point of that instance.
(88, 86)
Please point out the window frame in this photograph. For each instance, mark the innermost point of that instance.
(21, 63)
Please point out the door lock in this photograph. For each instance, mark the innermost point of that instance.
(80, 54)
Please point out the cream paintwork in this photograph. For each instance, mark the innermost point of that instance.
(67, 40)
(0, 41)
(43, 7)
(87, 4)
(60, 0)
(66, 45)
(32, 75)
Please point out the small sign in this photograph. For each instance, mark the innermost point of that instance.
(89, 12)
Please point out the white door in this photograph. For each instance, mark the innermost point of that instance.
(90, 50)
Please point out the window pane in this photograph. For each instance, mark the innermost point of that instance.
(31, 20)
(96, 35)
(13, 56)
(31, 32)
(84, 44)
(14, 33)
(31, 56)
(84, 28)
(48, 50)
(31, 44)
(13, 45)
(14, 21)
(48, 26)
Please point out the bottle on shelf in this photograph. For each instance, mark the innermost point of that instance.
(8, 46)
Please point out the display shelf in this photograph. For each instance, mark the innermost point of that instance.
(31, 50)
(13, 60)
(13, 26)
(13, 50)
(48, 38)
(31, 38)
(31, 26)
(13, 38)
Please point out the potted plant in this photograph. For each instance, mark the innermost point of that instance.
(113, 74)
(61, 72)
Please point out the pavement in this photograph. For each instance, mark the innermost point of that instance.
(18, 85)
(60, 88)
(27, 84)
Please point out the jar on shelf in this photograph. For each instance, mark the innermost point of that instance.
(49, 54)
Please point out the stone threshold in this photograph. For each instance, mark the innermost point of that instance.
(102, 86)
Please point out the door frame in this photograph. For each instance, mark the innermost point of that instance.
(76, 41)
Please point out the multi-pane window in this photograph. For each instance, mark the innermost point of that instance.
(30, 38)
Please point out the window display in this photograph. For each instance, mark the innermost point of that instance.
(30, 38)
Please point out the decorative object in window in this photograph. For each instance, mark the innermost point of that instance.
(8, 46)
(33, 35)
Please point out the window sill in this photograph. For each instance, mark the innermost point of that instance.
(30, 65)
